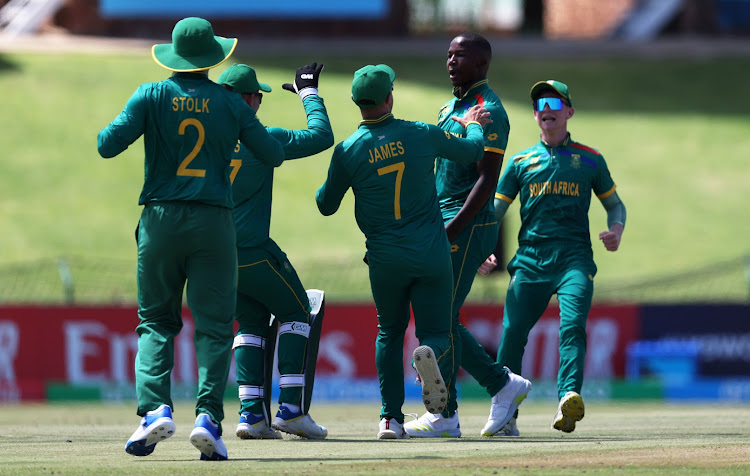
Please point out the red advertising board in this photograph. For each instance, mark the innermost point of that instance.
(95, 345)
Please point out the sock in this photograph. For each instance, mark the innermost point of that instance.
(292, 408)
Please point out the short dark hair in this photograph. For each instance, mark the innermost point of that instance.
(475, 40)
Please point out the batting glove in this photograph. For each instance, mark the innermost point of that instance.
(305, 81)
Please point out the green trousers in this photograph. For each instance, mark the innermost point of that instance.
(470, 249)
(427, 287)
(268, 284)
(536, 274)
(179, 243)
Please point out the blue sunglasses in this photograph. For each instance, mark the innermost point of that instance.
(555, 104)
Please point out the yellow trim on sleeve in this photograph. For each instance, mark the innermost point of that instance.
(496, 150)
(502, 197)
(607, 193)
(473, 122)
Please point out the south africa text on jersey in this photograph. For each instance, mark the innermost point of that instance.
(386, 151)
(184, 103)
(559, 187)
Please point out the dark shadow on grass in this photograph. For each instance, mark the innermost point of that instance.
(7, 65)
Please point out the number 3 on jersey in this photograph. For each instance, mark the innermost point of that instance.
(399, 169)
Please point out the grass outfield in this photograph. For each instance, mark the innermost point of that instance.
(673, 131)
(642, 439)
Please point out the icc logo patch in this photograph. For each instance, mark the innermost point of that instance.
(575, 161)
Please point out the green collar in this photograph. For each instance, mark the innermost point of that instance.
(478, 84)
(564, 143)
(380, 121)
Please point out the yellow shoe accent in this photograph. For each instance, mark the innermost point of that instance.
(570, 410)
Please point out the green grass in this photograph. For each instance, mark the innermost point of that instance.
(674, 133)
(625, 438)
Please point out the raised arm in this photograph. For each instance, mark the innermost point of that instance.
(319, 135)
(459, 149)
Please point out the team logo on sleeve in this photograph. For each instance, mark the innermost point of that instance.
(575, 161)
(492, 136)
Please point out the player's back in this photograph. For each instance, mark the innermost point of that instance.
(391, 166)
(191, 126)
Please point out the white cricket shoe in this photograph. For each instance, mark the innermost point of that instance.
(570, 410)
(434, 391)
(390, 429)
(510, 429)
(505, 403)
(254, 427)
(157, 425)
(205, 436)
(432, 425)
(298, 424)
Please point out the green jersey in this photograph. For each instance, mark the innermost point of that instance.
(389, 164)
(555, 184)
(190, 125)
(252, 180)
(455, 180)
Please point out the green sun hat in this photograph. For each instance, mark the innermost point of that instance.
(242, 79)
(372, 85)
(194, 47)
(550, 85)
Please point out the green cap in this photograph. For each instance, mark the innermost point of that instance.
(372, 85)
(194, 47)
(242, 79)
(550, 85)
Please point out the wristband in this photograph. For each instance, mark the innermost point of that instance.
(473, 122)
(310, 91)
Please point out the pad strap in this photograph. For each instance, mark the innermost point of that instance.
(250, 392)
(249, 339)
(315, 296)
(292, 380)
(293, 327)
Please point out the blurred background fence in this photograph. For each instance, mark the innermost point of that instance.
(84, 280)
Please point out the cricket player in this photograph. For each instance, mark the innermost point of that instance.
(268, 284)
(389, 165)
(465, 193)
(554, 180)
(186, 231)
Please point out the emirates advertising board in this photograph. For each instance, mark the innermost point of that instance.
(95, 347)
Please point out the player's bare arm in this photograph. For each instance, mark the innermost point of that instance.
(489, 169)
(474, 114)
(489, 264)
